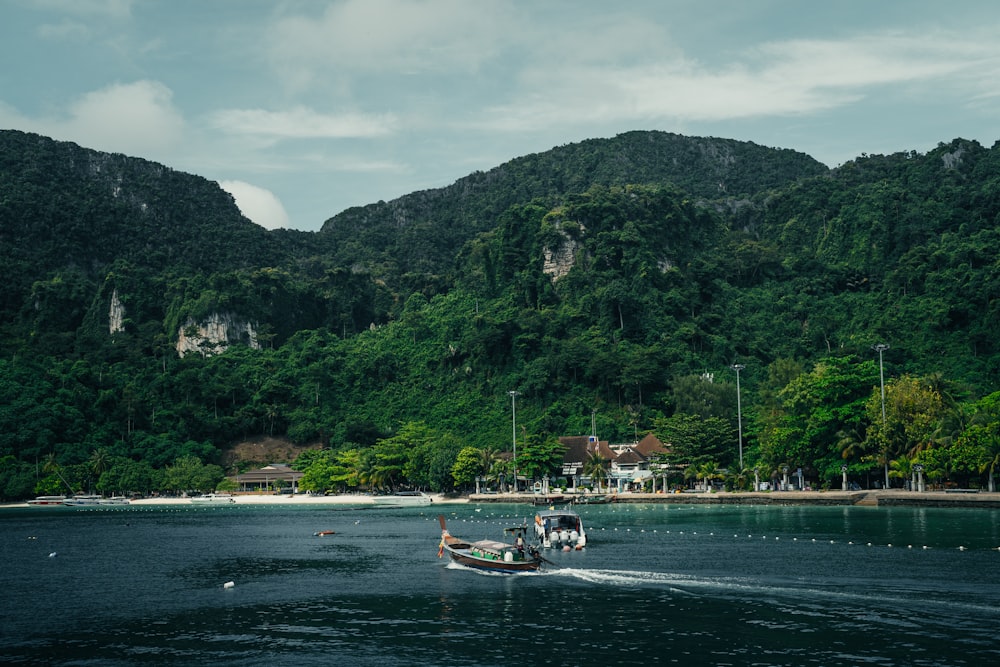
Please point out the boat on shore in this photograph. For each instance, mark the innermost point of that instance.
(47, 501)
(403, 499)
(593, 500)
(548, 500)
(93, 500)
(83, 500)
(560, 528)
(492, 555)
(214, 499)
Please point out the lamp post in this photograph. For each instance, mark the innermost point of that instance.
(739, 410)
(513, 419)
(880, 348)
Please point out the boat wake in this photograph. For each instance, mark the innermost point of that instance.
(745, 587)
(452, 565)
(625, 578)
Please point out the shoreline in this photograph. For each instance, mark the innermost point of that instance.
(878, 498)
(262, 499)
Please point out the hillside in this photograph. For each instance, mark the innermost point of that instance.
(614, 280)
(423, 231)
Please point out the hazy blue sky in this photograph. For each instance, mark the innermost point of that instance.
(302, 108)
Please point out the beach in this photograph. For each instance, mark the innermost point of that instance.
(277, 499)
(877, 498)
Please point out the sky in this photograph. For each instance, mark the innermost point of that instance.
(304, 108)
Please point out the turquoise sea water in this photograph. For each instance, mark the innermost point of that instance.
(660, 584)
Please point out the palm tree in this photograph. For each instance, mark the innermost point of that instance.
(991, 445)
(706, 471)
(594, 468)
(902, 468)
(740, 479)
(100, 461)
(709, 471)
(488, 458)
(851, 441)
(499, 472)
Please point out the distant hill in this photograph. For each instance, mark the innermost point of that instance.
(422, 232)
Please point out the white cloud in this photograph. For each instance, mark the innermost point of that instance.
(135, 119)
(399, 36)
(303, 123)
(258, 204)
(779, 78)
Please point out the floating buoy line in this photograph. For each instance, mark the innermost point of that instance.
(504, 520)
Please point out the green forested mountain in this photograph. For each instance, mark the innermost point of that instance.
(420, 233)
(614, 279)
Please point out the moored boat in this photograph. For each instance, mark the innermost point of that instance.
(47, 501)
(403, 499)
(82, 500)
(593, 500)
(548, 500)
(214, 499)
(492, 555)
(560, 528)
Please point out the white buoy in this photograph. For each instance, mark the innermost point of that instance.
(52, 555)
(229, 584)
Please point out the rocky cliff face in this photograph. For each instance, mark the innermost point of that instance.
(559, 259)
(116, 314)
(215, 334)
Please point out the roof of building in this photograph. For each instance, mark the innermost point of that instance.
(650, 445)
(272, 472)
(579, 448)
(630, 457)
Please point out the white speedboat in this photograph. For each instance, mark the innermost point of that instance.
(403, 499)
(47, 501)
(83, 500)
(560, 528)
(214, 499)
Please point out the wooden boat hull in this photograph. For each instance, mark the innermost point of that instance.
(489, 555)
(494, 566)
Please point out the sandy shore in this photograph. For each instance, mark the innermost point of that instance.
(282, 499)
(866, 498)
(289, 499)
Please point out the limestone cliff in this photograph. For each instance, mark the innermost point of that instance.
(116, 314)
(215, 334)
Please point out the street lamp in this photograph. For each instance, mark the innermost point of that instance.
(880, 348)
(739, 410)
(513, 419)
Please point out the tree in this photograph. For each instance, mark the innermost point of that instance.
(595, 467)
(814, 411)
(542, 456)
(983, 433)
(468, 467)
(913, 410)
(695, 440)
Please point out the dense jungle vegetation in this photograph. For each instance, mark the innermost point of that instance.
(615, 280)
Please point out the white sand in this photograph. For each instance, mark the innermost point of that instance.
(282, 499)
(289, 499)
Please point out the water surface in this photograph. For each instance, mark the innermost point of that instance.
(720, 585)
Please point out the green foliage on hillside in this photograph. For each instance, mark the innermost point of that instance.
(611, 278)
